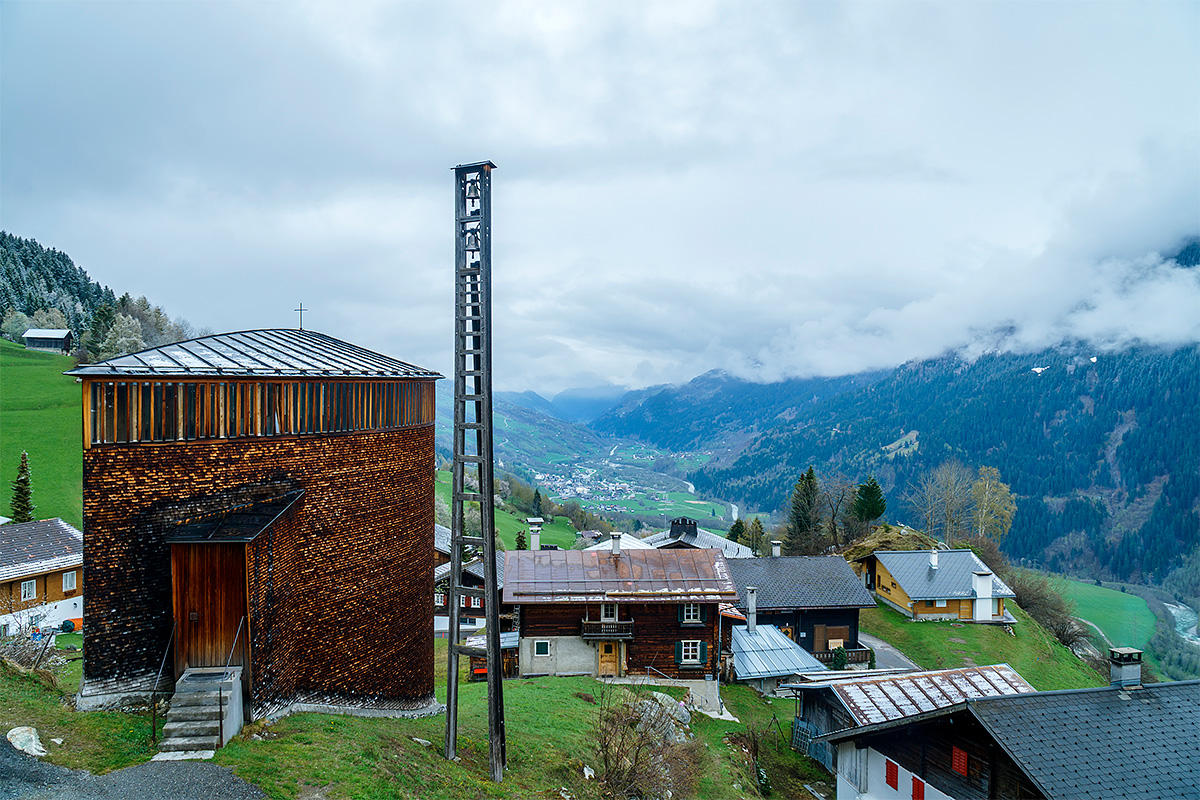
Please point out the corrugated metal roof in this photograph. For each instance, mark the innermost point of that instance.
(45, 333)
(32, 548)
(767, 653)
(897, 696)
(790, 582)
(262, 353)
(701, 539)
(238, 524)
(951, 579)
(636, 576)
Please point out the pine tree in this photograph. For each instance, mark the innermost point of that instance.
(521, 543)
(736, 531)
(804, 517)
(755, 535)
(869, 502)
(22, 501)
(537, 502)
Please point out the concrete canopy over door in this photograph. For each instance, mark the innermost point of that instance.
(208, 588)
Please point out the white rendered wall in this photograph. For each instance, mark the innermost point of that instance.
(568, 654)
(874, 785)
(51, 615)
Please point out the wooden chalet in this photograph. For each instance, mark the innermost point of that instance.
(41, 576)
(1122, 740)
(471, 609)
(937, 584)
(611, 613)
(262, 499)
(813, 600)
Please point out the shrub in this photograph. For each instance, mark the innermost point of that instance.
(639, 748)
(840, 659)
(1048, 607)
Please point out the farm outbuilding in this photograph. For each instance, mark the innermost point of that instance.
(52, 340)
(262, 499)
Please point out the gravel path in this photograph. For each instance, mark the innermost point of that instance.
(24, 777)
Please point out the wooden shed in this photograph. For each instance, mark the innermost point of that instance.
(262, 498)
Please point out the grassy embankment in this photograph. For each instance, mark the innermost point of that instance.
(40, 413)
(1125, 618)
(549, 741)
(560, 532)
(1032, 652)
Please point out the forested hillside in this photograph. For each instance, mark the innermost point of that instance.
(1101, 449)
(33, 278)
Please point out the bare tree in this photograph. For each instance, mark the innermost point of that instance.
(942, 500)
(993, 506)
(837, 498)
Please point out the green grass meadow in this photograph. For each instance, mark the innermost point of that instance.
(40, 412)
(1033, 651)
(560, 532)
(1125, 618)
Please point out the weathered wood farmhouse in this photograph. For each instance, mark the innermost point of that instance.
(617, 612)
(41, 575)
(814, 600)
(937, 584)
(53, 340)
(1123, 740)
(471, 609)
(265, 499)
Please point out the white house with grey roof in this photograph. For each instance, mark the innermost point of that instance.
(937, 584)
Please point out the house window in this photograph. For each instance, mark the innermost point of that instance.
(691, 612)
(918, 789)
(541, 647)
(608, 612)
(891, 774)
(941, 603)
(69, 581)
(29, 590)
(439, 599)
(691, 652)
(477, 602)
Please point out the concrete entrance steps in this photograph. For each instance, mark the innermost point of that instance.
(204, 709)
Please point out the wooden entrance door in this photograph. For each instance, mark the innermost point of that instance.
(610, 653)
(208, 587)
(965, 609)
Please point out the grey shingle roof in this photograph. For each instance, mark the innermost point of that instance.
(263, 353)
(1103, 743)
(800, 582)
(767, 653)
(442, 571)
(441, 539)
(952, 578)
(702, 539)
(32, 548)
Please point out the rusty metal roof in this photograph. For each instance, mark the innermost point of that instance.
(264, 353)
(897, 696)
(636, 576)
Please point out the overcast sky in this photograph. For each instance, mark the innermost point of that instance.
(771, 189)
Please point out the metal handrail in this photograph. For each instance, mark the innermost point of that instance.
(221, 683)
(668, 677)
(154, 690)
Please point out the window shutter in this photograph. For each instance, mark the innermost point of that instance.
(679, 649)
(958, 761)
(918, 789)
(704, 652)
(679, 613)
(890, 774)
(703, 618)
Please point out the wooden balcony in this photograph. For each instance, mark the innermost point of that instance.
(859, 655)
(593, 629)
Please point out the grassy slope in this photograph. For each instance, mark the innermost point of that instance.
(1125, 618)
(39, 412)
(1033, 652)
(560, 532)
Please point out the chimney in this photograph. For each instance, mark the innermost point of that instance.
(535, 539)
(933, 557)
(751, 608)
(1125, 667)
(616, 543)
(981, 582)
(682, 526)
(775, 545)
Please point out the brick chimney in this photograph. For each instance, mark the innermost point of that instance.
(775, 545)
(751, 608)
(1125, 667)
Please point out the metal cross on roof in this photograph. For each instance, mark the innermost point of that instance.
(301, 309)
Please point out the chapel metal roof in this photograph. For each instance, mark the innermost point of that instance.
(799, 582)
(897, 696)
(262, 353)
(34, 548)
(951, 579)
(636, 576)
(241, 523)
(768, 653)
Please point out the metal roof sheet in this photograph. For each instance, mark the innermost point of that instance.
(45, 333)
(241, 523)
(882, 699)
(628, 542)
(801, 582)
(768, 653)
(260, 353)
(700, 539)
(33, 548)
(636, 576)
(951, 579)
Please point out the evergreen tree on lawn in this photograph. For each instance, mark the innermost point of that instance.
(736, 531)
(521, 543)
(869, 502)
(804, 517)
(22, 501)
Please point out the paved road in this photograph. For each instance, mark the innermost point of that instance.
(24, 777)
(886, 656)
